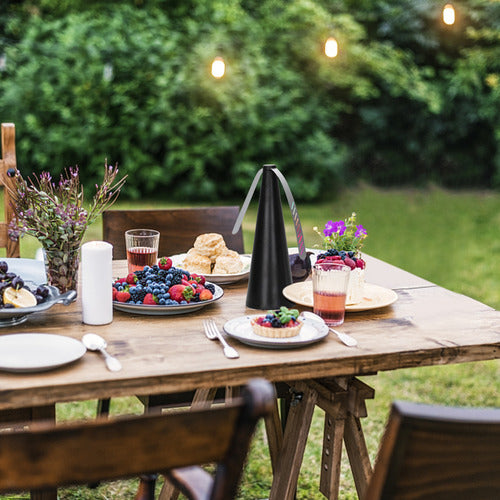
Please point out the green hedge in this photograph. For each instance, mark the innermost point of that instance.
(404, 102)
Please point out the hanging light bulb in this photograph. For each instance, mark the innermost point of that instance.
(218, 67)
(331, 47)
(449, 14)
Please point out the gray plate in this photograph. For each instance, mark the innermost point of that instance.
(32, 271)
(167, 310)
(241, 329)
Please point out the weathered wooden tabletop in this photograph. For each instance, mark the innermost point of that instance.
(427, 325)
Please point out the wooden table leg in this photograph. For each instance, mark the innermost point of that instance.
(44, 413)
(294, 443)
(274, 434)
(333, 435)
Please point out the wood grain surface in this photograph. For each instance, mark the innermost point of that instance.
(427, 325)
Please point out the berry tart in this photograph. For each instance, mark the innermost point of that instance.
(281, 323)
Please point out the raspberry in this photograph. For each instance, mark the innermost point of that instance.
(349, 262)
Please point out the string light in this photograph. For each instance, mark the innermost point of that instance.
(218, 67)
(449, 14)
(331, 47)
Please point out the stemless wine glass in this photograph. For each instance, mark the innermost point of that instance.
(330, 282)
(142, 248)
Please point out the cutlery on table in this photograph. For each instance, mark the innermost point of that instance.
(94, 342)
(213, 333)
(343, 337)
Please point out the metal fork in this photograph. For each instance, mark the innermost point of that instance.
(213, 333)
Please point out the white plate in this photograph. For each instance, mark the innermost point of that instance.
(159, 310)
(221, 279)
(374, 296)
(241, 329)
(37, 352)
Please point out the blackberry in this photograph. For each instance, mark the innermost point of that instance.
(210, 286)
(139, 295)
(176, 280)
(276, 323)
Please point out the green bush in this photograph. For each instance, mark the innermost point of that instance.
(404, 102)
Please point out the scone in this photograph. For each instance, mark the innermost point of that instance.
(282, 323)
(228, 263)
(197, 263)
(210, 245)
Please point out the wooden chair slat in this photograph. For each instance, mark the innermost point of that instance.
(178, 227)
(434, 452)
(8, 160)
(46, 455)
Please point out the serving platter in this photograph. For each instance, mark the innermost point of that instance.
(240, 328)
(221, 279)
(32, 271)
(37, 352)
(374, 296)
(159, 310)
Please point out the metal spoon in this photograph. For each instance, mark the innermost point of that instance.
(343, 337)
(95, 342)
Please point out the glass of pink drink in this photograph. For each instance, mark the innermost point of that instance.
(142, 248)
(329, 291)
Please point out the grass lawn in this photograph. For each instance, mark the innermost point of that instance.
(449, 238)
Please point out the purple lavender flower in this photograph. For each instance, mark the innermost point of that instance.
(360, 231)
(334, 227)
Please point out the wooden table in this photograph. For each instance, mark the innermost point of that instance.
(428, 325)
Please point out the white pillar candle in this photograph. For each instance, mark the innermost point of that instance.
(97, 274)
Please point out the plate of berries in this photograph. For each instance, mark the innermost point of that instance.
(164, 290)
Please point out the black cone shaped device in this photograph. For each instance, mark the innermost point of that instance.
(270, 269)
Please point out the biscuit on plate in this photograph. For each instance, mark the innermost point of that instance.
(196, 263)
(210, 244)
(229, 263)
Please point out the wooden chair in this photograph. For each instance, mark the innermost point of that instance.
(434, 452)
(8, 161)
(176, 444)
(178, 227)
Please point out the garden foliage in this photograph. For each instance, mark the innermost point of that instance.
(407, 100)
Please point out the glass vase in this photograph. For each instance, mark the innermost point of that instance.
(61, 266)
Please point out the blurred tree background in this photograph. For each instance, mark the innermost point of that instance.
(407, 101)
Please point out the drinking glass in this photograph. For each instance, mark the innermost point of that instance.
(142, 248)
(330, 281)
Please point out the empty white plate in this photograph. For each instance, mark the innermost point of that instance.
(36, 352)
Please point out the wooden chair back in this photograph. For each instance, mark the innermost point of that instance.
(7, 161)
(434, 452)
(178, 227)
(175, 444)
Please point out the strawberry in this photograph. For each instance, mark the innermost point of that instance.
(199, 278)
(165, 263)
(175, 292)
(115, 291)
(206, 294)
(122, 296)
(184, 281)
(131, 279)
(149, 300)
(121, 280)
(181, 292)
